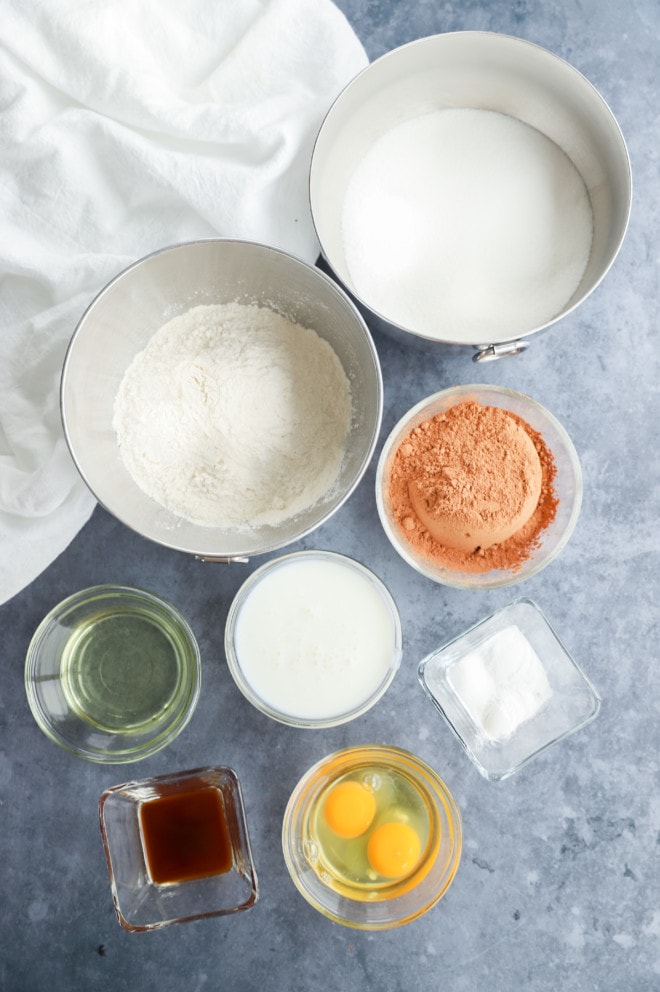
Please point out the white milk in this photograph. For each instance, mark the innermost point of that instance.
(316, 637)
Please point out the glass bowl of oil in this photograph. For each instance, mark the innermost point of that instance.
(177, 848)
(372, 837)
(113, 673)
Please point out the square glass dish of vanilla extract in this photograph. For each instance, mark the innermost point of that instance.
(509, 689)
(177, 848)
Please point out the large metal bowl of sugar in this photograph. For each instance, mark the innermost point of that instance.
(138, 302)
(481, 71)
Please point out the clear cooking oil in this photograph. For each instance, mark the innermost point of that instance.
(121, 670)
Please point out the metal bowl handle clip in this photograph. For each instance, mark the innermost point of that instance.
(492, 352)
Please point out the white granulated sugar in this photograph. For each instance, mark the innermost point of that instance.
(234, 416)
(466, 225)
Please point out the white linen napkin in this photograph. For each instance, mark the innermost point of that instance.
(125, 126)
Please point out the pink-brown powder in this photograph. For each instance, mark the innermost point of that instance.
(473, 453)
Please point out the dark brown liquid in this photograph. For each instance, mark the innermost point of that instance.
(185, 836)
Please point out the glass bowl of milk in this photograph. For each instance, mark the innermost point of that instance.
(313, 639)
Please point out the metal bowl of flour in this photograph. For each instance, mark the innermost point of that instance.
(168, 284)
(368, 194)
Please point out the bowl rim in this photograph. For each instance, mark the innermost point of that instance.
(168, 536)
(496, 578)
(234, 665)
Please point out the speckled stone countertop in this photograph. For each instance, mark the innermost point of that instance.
(559, 884)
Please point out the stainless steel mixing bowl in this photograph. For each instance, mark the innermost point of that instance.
(482, 70)
(131, 308)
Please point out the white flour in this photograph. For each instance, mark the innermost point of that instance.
(466, 225)
(233, 416)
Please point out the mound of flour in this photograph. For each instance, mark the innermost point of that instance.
(233, 416)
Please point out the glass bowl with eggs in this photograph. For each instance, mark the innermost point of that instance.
(372, 837)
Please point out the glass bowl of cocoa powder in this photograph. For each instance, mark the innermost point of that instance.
(478, 486)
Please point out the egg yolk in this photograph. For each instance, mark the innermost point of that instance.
(349, 809)
(393, 849)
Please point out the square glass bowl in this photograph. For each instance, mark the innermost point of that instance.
(509, 689)
(196, 846)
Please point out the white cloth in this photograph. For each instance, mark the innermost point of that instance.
(125, 126)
